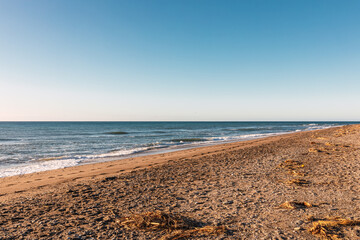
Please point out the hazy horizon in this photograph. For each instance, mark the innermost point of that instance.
(179, 60)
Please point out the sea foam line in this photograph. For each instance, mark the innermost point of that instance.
(37, 167)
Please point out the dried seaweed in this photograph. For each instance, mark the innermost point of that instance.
(296, 173)
(321, 138)
(295, 205)
(174, 226)
(153, 221)
(330, 229)
(298, 181)
(291, 164)
(317, 150)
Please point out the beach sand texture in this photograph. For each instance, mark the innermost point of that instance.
(303, 185)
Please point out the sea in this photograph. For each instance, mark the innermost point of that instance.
(28, 147)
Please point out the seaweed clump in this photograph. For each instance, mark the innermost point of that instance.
(298, 182)
(295, 205)
(330, 228)
(291, 164)
(173, 226)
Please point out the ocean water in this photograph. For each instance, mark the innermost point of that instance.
(27, 147)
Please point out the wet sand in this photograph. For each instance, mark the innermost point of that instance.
(240, 186)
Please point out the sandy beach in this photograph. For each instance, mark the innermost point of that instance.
(303, 185)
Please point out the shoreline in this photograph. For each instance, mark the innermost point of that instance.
(151, 152)
(279, 187)
(32, 162)
(38, 182)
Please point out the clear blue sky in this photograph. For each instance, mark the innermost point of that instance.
(180, 60)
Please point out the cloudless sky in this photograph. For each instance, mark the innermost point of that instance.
(179, 60)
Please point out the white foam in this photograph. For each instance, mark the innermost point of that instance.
(119, 153)
(244, 137)
(318, 127)
(38, 166)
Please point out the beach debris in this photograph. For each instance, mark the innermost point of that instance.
(296, 173)
(310, 218)
(316, 150)
(173, 226)
(153, 221)
(337, 145)
(291, 164)
(298, 181)
(345, 146)
(330, 228)
(295, 205)
(329, 147)
(342, 132)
